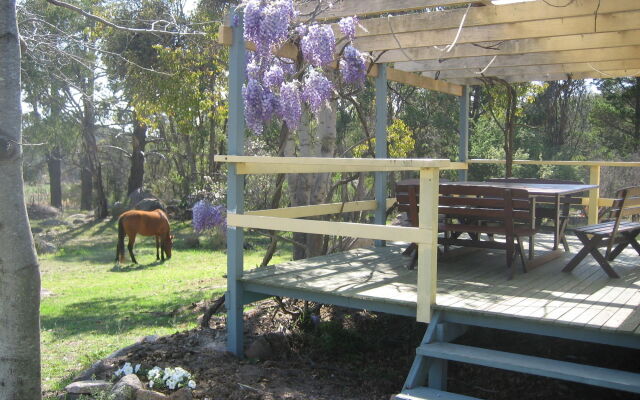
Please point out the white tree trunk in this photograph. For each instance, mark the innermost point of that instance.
(324, 146)
(19, 274)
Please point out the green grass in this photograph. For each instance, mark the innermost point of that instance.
(98, 307)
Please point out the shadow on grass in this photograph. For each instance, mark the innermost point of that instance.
(121, 314)
(135, 267)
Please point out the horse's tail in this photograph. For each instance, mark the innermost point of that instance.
(120, 245)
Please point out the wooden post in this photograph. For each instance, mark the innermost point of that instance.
(235, 191)
(464, 131)
(380, 184)
(428, 250)
(594, 194)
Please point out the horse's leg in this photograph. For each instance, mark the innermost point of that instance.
(158, 249)
(132, 241)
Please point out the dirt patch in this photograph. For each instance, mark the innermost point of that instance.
(344, 354)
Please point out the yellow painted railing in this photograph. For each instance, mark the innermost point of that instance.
(290, 218)
(594, 178)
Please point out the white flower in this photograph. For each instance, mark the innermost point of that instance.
(150, 384)
(137, 368)
(192, 384)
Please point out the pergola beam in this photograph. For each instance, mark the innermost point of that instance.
(548, 58)
(490, 15)
(348, 8)
(519, 30)
(518, 46)
(556, 77)
(554, 72)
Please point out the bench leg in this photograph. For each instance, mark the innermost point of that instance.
(616, 252)
(587, 246)
(631, 237)
(520, 250)
(510, 256)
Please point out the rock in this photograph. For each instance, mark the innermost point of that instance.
(41, 211)
(44, 247)
(88, 387)
(260, 349)
(52, 222)
(139, 194)
(149, 395)
(269, 346)
(126, 387)
(99, 370)
(149, 204)
(118, 208)
(182, 394)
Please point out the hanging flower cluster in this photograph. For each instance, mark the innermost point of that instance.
(207, 216)
(275, 88)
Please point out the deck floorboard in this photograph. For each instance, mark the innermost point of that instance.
(476, 283)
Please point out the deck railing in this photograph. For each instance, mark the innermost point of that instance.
(290, 218)
(594, 178)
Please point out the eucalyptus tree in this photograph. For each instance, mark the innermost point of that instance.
(19, 271)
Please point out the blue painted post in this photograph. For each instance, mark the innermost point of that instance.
(380, 183)
(464, 131)
(235, 190)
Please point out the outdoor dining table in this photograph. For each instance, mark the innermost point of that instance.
(557, 191)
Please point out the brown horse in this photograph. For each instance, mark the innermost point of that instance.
(146, 223)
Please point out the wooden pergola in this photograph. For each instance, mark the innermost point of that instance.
(445, 46)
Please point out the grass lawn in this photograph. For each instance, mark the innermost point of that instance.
(98, 307)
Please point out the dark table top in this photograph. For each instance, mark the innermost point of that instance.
(534, 189)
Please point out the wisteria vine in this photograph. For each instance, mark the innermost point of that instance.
(277, 88)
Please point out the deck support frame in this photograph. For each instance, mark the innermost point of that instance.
(380, 183)
(235, 192)
(463, 149)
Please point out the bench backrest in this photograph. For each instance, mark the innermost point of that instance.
(500, 206)
(407, 197)
(626, 204)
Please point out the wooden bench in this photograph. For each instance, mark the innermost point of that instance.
(483, 209)
(546, 207)
(616, 232)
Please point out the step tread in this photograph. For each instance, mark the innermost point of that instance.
(614, 379)
(425, 393)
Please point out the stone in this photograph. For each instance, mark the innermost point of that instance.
(118, 208)
(88, 387)
(44, 247)
(149, 204)
(99, 370)
(149, 395)
(137, 195)
(126, 387)
(260, 349)
(52, 222)
(182, 394)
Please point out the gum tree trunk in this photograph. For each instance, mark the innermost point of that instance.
(139, 142)
(19, 272)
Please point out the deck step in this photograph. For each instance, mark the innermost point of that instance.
(613, 379)
(425, 393)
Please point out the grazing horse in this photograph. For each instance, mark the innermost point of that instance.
(146, 223)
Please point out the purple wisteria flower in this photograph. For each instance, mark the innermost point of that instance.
(291, 104)
(274, 76)
(352, 66)
(267, 23)
(318, 45)
(207, 216)
(348, 27)
(317, 90)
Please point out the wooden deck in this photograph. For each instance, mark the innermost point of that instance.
(472, 284)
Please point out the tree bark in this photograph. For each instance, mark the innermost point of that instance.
(55, 177)
(86, 183)
(139, 142)
(325, 146)
(19, 271)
